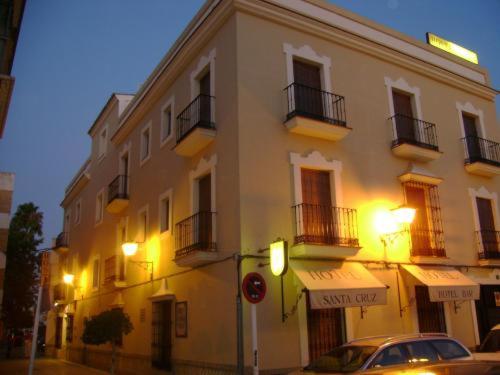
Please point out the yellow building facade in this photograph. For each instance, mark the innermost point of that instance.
(292, 120)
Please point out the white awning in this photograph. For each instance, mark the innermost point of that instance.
(339, 284)
(444, 283)
(484, 276)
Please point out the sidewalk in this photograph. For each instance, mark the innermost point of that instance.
(45, 366)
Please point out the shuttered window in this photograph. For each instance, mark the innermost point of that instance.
(430, 314)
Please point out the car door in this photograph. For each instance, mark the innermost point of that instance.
(390, 356)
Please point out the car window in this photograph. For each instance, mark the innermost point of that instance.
(421, 351)
(492, 342)
(449, 349)
(392, 355)
(346, 358)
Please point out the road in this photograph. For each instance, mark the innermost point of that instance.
(46, 366)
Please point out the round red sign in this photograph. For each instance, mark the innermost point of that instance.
(254, 287)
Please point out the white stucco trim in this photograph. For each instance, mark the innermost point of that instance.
(78, 211)
(169, 103)
(472, 306)
(315, 160)
(138, 230)
(203, 168)
(447, 306)
(144, 158)
(482, 192)
(166, 194)
(102, 145)
(329, 17)
(204, 63)
(307, 53)
(468, 108)
(99, 210)
(94, 258)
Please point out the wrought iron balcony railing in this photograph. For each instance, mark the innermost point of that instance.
(427, 242)
(198, 114)
(488, 244)
(315, 104)
(112, 270)
(196, 233)
(118, 188)
(325, 225)
(62, 240)
(409, 130)
(481, 150)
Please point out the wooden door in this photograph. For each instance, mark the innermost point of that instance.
(487, 226)
(471, 137)
(419, 229)
(59, 328)
(205, 110)
(325, 330)
(162, 335)
(405, 126)
(430, 314)
(308, 97)
(205, 212)
(317, 212)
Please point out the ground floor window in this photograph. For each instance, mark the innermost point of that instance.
(59, 328)
(430, 314)
(161, 345)
(488, 309)
(69, 328)
(325, 329)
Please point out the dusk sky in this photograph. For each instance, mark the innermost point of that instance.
(72, 55)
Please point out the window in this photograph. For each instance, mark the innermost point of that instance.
(167, 121)
(145, 144)
(449, 349)
(431, 316)
(165, 211)
(102, 142)
(393, 355)
(99, 207)
(95, 274)
(142, 224)
(78, 211)
(427, 237)
(421, 351)
(69, 327)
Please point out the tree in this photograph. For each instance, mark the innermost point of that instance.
(107, 327)
(21, 273)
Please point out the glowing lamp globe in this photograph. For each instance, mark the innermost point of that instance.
(68, 278)
(404, 214)
(129, 248)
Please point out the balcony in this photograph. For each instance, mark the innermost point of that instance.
(414, 139)
(315, 113)
(118, 194)
(427, 245)
(195, 240)
(114, 271)
(195, 126)
(62, 242)
(324, 231)
(482, 157)
(61, 295)
(487, 242)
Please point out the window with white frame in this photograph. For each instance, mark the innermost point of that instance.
(95, 273)
(167, 121)
(165, 211)
(146, 143)
(78, 211)
(103, 142)
(143, 224)
(99, 207)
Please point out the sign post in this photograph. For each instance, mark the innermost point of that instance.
(254, 290)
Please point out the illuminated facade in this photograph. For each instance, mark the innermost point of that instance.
(297, 121)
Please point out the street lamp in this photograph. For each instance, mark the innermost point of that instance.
(68, 278)
(130, 249)
(388, 223)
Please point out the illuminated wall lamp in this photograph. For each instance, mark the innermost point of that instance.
(402, 215)
(68, 278)
(130, 249)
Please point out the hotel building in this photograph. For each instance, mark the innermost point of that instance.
(294, 120)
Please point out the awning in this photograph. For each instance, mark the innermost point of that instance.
(445, 283)
(484, 276)
(339, 284)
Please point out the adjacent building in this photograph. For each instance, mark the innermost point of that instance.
(294, 120)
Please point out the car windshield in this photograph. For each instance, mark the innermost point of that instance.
(342, 359)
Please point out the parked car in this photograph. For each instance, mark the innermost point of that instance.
(472, 367)
(383, 351)
(490, 347)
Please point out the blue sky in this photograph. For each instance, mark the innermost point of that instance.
(72, 55)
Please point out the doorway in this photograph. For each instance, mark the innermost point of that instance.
(161, 346)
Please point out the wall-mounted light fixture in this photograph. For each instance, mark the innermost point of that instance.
(389, 223)
(130, 249)
(68, 278)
